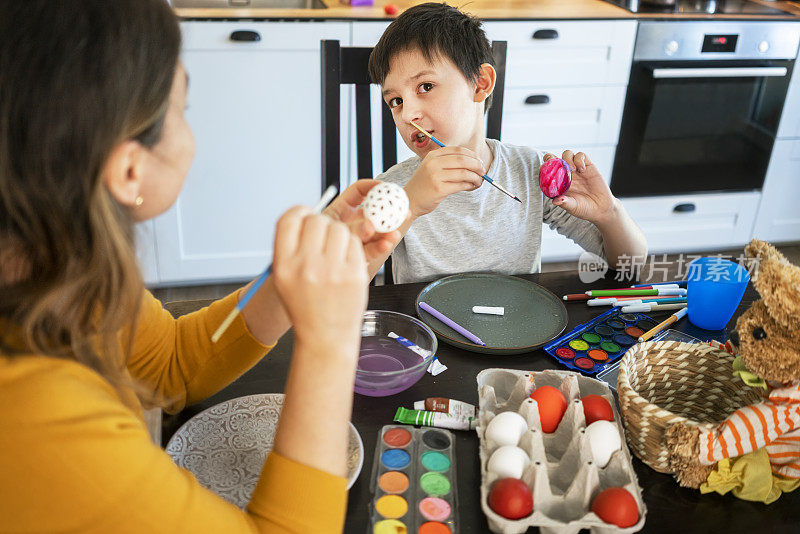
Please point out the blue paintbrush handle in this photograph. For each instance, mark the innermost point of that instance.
(252, 291)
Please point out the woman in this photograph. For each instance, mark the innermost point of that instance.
(93, 139)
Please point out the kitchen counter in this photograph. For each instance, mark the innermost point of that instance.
(484, 9)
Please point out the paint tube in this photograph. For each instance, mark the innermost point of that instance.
(434, 419)
(448, 406)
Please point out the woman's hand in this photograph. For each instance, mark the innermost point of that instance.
(589, 197)
(321, 277)
(346, 209)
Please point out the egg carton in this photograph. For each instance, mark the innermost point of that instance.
(562, 475)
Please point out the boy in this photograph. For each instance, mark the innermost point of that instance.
(434, 66)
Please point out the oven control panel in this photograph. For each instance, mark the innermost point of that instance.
(701, 40)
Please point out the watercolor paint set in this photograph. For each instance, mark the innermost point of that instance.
(414, 481)
(590, 347)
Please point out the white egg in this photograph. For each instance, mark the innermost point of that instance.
(506, 428)
(386, 206)
(508, 461)
(604, 441)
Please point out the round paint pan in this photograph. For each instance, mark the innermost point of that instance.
(393, 482)
(397, 437)
(435, 461)
(627, 317)
(591, 338)
(584, 363)
(604, 330)
(624, 340)
(434, 527)
(391, 506)
(565, 353)
(435, 509)
(598, 355)
(646, 324)
(434, 484)
(616, 324)
(578, 345)
(395, 459)
(609, 347)
(634, 331)
(436, 440)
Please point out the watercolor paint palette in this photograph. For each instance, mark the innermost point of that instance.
(414, 481)
(562, 475)
(591, 347)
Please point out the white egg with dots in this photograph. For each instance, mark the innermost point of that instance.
(386, 207)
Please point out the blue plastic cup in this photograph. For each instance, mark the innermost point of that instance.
(713, 291)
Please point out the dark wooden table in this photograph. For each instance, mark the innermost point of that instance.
(670, 508)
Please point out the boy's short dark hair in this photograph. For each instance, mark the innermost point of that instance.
(436, 30)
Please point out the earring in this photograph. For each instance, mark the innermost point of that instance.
(139, 201)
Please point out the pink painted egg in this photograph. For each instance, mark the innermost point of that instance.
(555, 177)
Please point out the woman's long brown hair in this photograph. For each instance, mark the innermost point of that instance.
(77, 77)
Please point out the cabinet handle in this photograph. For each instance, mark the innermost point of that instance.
(545, 34)
(246, 36)
(537, 99)
(684, 208)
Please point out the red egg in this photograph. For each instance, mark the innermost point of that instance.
(616, 506)
(552, 406)
(390, 9)
(511, 498)
(596, 408)
(555, 177)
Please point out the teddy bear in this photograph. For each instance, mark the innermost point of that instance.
(763, 437)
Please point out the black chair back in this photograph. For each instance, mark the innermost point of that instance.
(348, 65)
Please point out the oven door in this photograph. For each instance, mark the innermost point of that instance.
(698, 126)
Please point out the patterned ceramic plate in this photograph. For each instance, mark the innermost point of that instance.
(226, 446)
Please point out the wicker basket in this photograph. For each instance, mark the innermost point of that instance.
(661, 383)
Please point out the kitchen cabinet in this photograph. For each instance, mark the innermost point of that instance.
(146, 252)
(694, 222)
(779, 214)
(254, 108)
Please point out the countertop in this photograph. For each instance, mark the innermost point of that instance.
(484, 9)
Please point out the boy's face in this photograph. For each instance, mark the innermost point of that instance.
(436, 96)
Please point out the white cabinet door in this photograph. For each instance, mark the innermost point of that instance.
(576, 52)
(146, 252)
(779, 212)
(588, 115)
(254, 108)
(694, 222)
(790, 119)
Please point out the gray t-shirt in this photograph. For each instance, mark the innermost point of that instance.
(484, 230)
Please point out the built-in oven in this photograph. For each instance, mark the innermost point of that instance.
(703, 106)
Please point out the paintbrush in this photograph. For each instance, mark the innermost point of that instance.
(485, 176)
(327, 196)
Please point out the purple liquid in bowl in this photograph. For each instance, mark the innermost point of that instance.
(386, 355)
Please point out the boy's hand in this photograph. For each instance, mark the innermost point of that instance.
(444, 171)
(346, 208)
(588, 197)
(321, 276)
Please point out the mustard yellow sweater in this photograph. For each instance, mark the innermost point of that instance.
(75, 455)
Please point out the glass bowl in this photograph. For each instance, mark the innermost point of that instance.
(387, 362)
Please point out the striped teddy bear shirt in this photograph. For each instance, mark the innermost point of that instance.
(774, 424)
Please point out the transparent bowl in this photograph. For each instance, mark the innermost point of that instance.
(386, 365)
